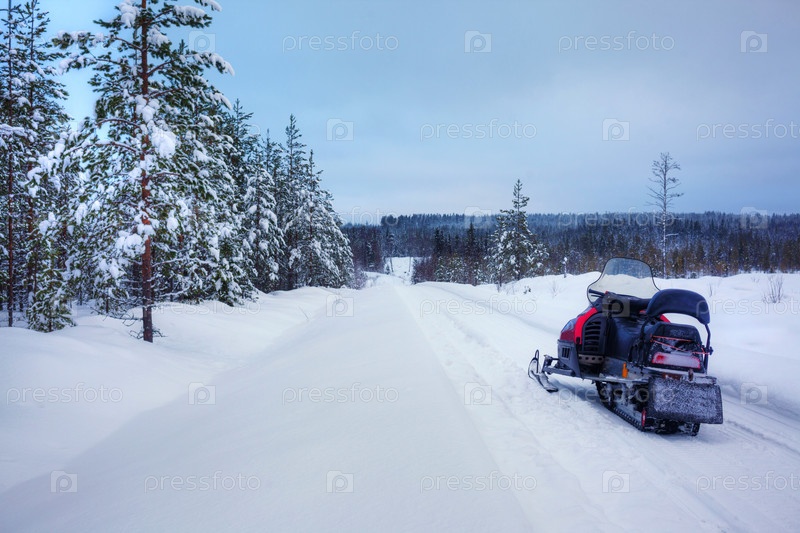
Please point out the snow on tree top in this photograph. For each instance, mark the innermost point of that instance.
(127, 13)
(210, 3)
(189, 14)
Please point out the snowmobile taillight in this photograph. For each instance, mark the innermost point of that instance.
(676, 359)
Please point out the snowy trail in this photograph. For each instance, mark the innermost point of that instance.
(394, 408)
(375, 454)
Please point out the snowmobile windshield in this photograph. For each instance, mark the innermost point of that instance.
(623, 276)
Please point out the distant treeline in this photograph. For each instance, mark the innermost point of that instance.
(699, 244)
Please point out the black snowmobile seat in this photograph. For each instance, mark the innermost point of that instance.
(623, 335)
(679, 301)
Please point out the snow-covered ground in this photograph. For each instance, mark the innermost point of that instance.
(399, 407)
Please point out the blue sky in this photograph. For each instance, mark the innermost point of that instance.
(440, 106)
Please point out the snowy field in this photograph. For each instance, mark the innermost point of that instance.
(394, 408)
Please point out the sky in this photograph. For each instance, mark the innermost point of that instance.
(440, 106)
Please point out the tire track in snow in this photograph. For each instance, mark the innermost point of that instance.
(515, 444)
(655, 457)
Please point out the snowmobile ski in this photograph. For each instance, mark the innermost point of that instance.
(542, 379)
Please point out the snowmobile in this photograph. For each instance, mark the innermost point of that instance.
(651, 372)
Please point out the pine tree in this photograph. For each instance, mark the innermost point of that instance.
(320, 255)
(516, 251)
(264, 235)
(14, 137)
(57, 282)
(289, 201)
(32, 111)
(156, 174)
(472, 256)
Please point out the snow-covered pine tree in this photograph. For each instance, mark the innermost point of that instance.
(32, 104)
(243, 143)
(13, 142)
(472, 257)
(212, 260)
(149, 152)
(336, 260)
(264, 235)
(289, 198)
(517, 253)
(59, 173)
(321, 255)
(253, 163)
